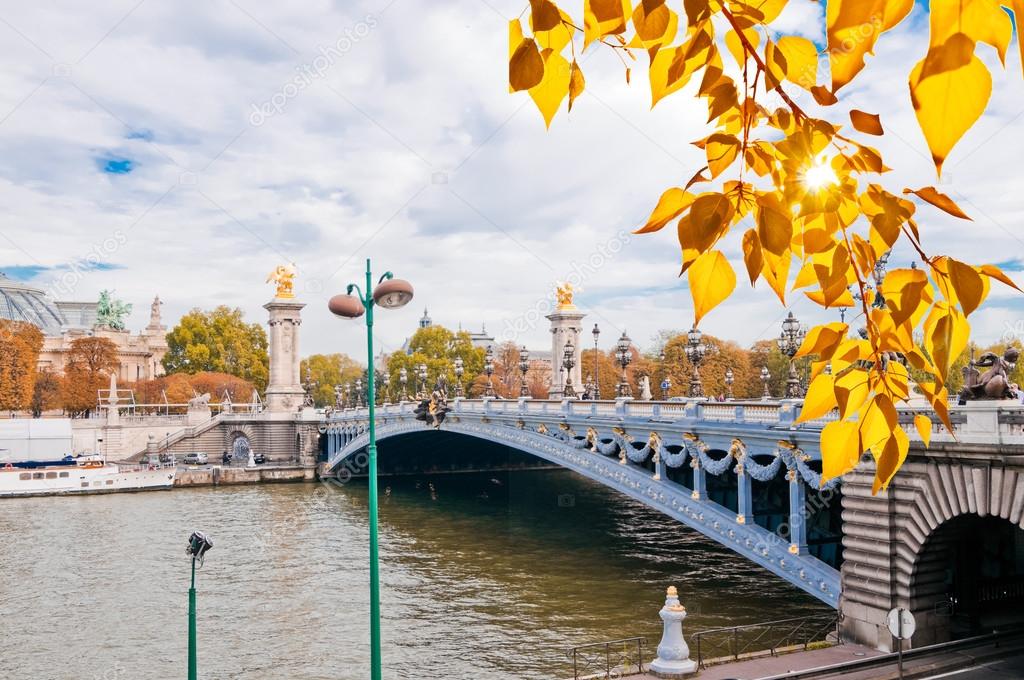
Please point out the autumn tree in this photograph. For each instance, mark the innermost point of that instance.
(219, 341)
(436, 347)
(46, 393)
(20, 343)
(814, 192)
(328, 371)
(90, 362)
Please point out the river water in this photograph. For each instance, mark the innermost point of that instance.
(483, 577)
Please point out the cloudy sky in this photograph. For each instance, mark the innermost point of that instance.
(186, 148)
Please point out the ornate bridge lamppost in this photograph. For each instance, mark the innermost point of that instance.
(597, 370)
(390, 293)
(460, 368)
(765, 377)
(339, 397)
(789, 342)
(695, 352)
(489, 370)
(524, 366)
(729, 380)
(359, 392)
(403, 380)
(568, 362)
(386, 380)
(421, 373)
(624, 357)
(308, 386)
(348, 395)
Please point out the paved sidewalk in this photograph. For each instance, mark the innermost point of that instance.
(752, 669)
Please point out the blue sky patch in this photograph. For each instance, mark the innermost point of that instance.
(116, 166)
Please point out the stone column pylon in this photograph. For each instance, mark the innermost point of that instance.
(566, 326)
(284, 389)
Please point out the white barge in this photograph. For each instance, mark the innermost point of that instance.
(83, 475)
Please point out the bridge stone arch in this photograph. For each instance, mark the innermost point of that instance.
(239, 432)
(636, 469)
(903, 546)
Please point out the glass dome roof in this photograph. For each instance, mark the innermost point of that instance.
(21, 302)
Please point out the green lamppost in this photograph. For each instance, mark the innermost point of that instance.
(198, 544)
(390, 293)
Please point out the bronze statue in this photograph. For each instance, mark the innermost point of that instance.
(993, 383)
(434, 409)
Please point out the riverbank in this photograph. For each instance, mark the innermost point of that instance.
(217, 475)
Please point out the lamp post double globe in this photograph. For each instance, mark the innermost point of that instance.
(624, 357)
(489, 370)
(524, 366)
(568, 363)
(695, 352)
(789, 341)
(390, 293)
(597, 364)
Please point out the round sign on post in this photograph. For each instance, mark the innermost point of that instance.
(901, 623)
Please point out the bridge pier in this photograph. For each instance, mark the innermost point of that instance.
(744, 496)
(797, 514)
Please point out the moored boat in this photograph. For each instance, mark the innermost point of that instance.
(88, 474)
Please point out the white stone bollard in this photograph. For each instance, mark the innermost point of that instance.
(673, 653)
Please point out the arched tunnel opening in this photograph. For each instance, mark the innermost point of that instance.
(432, 452)
(969, 579)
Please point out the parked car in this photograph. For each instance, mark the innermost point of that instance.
(196, 459)
(259, 458)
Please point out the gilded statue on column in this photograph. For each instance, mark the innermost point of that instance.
(564, 293)
(284, 277)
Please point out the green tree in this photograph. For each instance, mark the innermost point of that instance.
(220, 341)
(437, 348)
(329, 370)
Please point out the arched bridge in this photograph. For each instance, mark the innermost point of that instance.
(946, 539)
(739, 472)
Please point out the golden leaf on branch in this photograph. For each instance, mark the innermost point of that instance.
(712, 280)
(868, 123)
(803, 191)
(939, 200)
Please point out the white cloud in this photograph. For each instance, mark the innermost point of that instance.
(407, 148)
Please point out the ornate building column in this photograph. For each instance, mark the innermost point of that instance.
(566, 327)
(284, 388)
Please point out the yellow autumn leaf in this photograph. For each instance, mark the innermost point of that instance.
(853, 27)
(980, 20)
(576, 83)
(721, 150)
(971, 288)
(553, 87)
(526, 66)
(752, 257)
(949, 89)
(924, 428)
(819, 400)
(868, 123)
(801, 60)
(890, 458)
(656, 25)
(939, 200)
(671, 204)
(840, 448)
(823, 340)
(712, 280)
(603, 17)
(994, 272)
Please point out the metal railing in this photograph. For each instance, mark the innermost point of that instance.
(618, 656)
(769, 637)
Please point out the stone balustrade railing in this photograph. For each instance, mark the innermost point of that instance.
(981, 422)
